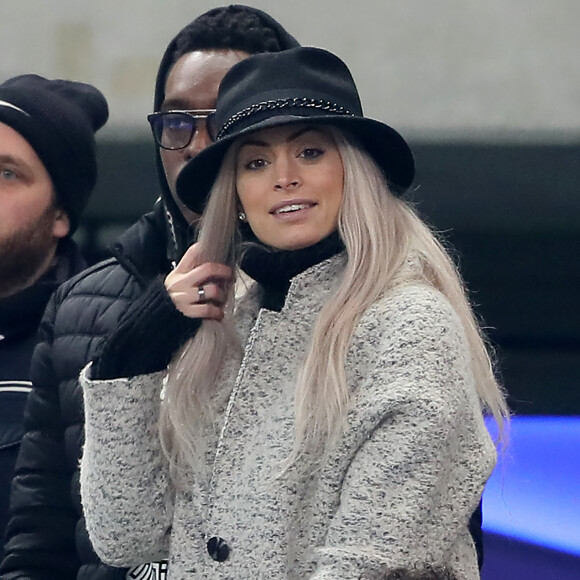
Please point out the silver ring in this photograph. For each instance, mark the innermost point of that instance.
(201, 293)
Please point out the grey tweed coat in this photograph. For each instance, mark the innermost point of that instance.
(396, 489)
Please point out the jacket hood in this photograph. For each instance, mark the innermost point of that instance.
(179, 233)
(141, 248)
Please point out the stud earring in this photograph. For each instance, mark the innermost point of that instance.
(242, 217)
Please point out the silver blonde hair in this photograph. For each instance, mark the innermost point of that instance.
(381, 233)
(190, 391)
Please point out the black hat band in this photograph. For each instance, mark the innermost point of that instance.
(302, 102)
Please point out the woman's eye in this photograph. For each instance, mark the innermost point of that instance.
(311, 153)
(255, 164)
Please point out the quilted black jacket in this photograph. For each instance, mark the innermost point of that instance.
(46, 517)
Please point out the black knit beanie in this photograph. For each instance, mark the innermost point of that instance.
(58, 118)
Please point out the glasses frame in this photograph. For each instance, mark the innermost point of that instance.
(206, 114)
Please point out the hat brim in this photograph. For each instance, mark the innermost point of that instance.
(385, 145)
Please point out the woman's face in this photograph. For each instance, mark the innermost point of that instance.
(289, 181)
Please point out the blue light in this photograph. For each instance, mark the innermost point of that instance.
(534, 492)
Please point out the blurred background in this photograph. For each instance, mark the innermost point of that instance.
(488, 94)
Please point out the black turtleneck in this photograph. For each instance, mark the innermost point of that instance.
(274, 269)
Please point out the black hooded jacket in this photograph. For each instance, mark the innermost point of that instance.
(46, 535)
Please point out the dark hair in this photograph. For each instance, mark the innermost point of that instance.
(233, 27)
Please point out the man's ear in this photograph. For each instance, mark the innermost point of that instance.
(61, 224)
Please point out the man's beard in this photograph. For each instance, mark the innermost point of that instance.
(23, 256)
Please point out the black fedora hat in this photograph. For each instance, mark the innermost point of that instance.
(299, 85)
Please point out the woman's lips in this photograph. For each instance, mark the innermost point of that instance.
(291, 207)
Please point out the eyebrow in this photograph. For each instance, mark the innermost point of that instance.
(291, 137)
(175, 105)
(7, 158)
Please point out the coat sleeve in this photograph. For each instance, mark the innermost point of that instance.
(125, 484)
(40, 538)
(420, 453)
(146, 337)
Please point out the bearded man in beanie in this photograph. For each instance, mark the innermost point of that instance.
(46, 536)
(47, 172)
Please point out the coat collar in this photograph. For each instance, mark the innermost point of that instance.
(20, 314)
(311, 288)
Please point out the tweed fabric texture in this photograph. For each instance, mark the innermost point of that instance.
(396, 489)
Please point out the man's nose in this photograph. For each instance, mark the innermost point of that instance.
(200, 140)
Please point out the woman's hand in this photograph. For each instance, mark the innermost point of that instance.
(199, 290)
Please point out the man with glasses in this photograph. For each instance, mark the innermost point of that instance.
(46, 537)
(175, 130)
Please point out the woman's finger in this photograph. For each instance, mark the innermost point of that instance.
(206, 310)
(209, 292)
(199, 276)
(190, 259)
(209, 272)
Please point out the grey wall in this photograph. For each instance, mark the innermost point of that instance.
(500, 67)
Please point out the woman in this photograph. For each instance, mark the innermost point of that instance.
(345, 437)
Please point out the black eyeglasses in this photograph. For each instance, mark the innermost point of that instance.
(175, 129)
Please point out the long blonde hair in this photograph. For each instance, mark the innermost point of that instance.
(380, 231)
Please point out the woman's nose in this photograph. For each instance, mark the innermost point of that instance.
(287, 175)
(286, 183)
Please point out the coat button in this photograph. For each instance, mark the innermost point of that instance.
(218, 549)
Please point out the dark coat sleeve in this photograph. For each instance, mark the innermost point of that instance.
(146, 338)
(12, 402)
